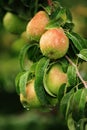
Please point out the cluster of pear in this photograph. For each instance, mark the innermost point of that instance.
(53, 44)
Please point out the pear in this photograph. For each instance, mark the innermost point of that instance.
(54, 43)
(13, 23)
(37, 25)
(54, 78)
(30, 100)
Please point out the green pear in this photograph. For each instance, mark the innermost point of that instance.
(13, 23)
(54, 78)
(36, 26)
(17, 45)
(54, 43)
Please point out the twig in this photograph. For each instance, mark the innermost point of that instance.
(79, 75)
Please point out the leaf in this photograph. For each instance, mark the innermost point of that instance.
(32, 71)
(54, 24)
(34, 53)
(64, 64)
(68, 26)
(71, 74)
(39, 74)
(23, 82)
(17, 79)
(78, 103)
(77, 40)
(23, 53)
(71, 123)
(61, 92)
(64, 102)
(83, 54)
(61, 13)
(69, 15)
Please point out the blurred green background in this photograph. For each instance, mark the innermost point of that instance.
(12, 114)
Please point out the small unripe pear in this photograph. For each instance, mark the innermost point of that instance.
(36, 26)
(13, 23)
(54, 43)
(17, 45)
(30, 100)
(54, 78)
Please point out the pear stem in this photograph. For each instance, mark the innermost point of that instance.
(78, 73)
(50, 2)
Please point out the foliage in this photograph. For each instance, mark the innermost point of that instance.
(71, 98)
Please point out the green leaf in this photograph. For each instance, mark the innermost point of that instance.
(33, 67)
(83, 54)
(34, 53)
(61, 92)
(24, 51)
(53, 24)
(69, 15)
(23, 54)
(32, 71)
(77, 40)
(61, 13)
(23, 82)
(39, 74)
(71, 123)
(64, 102)
(71, 74)
(17, 79)
(68, 26)
(78, 103)
(64, 64)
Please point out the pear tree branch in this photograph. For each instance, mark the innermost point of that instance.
(78, 73)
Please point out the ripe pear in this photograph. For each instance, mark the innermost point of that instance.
(54, 43)
(54, 78)
(30, 100)
(36, 26)
(13, 23)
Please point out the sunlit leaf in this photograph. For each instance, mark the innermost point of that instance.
(23, 82)
(71, 123)
(83, 54)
